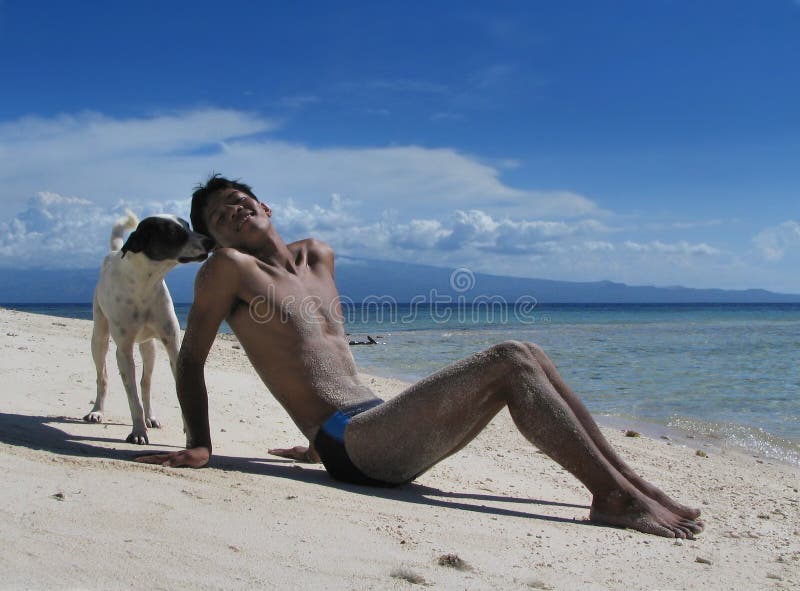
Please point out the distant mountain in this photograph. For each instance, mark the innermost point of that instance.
(43, 286)
(359, 279)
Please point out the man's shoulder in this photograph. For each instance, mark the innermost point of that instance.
(222, 262)
(316, 248)
(227, 256)
(311, 244)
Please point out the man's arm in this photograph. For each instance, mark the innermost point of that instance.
(215, 292)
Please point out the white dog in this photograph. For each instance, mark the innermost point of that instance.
(132, 304)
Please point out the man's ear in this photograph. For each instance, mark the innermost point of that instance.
(134, 243)
(266, 209)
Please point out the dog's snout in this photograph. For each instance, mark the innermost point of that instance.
(207, 243)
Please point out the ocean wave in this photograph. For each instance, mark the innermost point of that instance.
(743, 437)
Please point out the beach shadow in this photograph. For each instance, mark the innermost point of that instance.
(34, 432)
(408, 493)
(39, 433)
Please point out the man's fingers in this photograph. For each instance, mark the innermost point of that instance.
(193, 458)
(152, 458)
(297, 452)
(280, 451)
(163, 459)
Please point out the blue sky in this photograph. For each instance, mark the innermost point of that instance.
(646, 142)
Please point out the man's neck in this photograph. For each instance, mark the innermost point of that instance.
(274, 251)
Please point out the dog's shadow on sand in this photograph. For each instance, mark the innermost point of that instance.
(41, 433)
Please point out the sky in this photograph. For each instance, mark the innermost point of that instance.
(651, 143)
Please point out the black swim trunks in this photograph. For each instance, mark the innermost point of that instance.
(329, 444)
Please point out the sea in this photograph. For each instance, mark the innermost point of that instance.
(707, 375)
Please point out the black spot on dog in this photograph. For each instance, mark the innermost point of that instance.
(158, 238)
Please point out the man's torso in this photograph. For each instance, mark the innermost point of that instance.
(289, 322)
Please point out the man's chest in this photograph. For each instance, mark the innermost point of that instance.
(310, 295)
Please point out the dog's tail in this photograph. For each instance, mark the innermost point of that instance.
(128, 222)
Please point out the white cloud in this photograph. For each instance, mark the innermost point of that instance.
(690, 225)
(676, 248)
(73, 137)
(473, 231)
(56, 231)
(598, 246)
(66, 179)
(773, 242)
(164, 156)
(64, 231)
(318, 218)
(418, 234)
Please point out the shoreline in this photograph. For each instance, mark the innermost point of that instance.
(253, 520)
(748, 440)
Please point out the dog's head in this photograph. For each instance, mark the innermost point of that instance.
(167, 237)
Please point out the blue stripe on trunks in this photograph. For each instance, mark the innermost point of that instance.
(336, 423)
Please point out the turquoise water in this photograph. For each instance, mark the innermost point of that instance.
(728, 372)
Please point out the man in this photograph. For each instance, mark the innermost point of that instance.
(281, 302)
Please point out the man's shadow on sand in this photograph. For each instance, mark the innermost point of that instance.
(38, 432)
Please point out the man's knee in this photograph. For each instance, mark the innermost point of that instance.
(537, 352)
(516, 356)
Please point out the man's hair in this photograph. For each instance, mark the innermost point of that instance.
(203, 193)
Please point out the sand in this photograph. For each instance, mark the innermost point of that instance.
(77, 513)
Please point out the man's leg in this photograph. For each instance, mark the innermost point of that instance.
(585, 417)
(440, 414)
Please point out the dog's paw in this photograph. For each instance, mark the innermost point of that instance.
(94, 417)
(138, 438)
(153, 422)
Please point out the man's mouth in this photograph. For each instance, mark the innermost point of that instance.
(246, 217)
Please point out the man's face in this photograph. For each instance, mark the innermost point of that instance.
(235, 219)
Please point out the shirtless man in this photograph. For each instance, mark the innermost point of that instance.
(282, 303)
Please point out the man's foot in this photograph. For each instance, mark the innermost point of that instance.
(662, 498)
(636, 511)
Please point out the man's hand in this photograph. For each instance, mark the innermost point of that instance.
(298, 453)
(196, 457)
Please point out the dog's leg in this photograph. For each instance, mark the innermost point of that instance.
(127, 370)
(100, 335)
(148, 350)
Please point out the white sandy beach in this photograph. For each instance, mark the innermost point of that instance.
(77, 513)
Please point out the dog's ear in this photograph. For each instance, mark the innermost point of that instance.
(134, 243)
